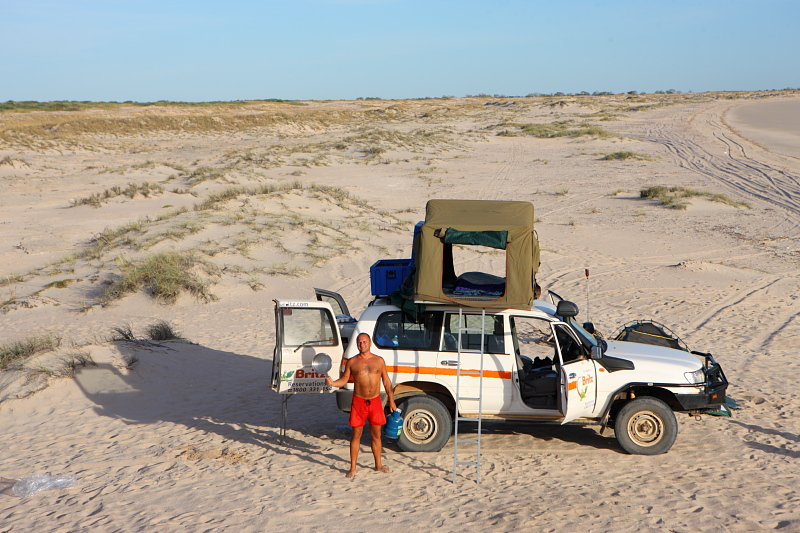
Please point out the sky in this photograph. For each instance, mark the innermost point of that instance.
(204, 50)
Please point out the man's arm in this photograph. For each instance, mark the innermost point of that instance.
(342, 381)
(387, 385)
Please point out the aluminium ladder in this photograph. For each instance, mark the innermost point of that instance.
(464, 330)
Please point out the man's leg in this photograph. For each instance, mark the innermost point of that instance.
(355, 444)
(377, 448)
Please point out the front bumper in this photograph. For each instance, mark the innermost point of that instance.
(715, 389)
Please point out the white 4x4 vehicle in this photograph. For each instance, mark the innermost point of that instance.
(537, 364)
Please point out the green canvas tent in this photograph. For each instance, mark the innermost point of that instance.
(504, 225)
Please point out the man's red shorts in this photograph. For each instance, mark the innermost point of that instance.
(362, 410)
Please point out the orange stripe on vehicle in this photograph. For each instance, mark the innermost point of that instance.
(425, 370)
(572, 385)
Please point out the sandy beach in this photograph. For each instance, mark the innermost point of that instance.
(774, 125)
(266, 200)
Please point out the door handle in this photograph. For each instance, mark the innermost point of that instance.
(449, 363)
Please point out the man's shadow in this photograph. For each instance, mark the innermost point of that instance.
(212, 391)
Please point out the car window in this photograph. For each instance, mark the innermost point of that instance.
(532, 337)
(569, 345)
(308, 325)
(394, 330)
(493, 339)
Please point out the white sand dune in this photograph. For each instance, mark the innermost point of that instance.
(185, 436)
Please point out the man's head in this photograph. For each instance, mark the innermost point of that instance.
(363, 342)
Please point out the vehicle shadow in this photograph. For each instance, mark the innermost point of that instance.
(211, 391)
(584, 436)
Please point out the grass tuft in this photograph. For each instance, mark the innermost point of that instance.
(163, 276)
(623, 155)
(96, 200)
(234, 192)
(556, 129)
(672, 197)
(76, 360)
(123, 333)
(162, 330)
(17, 351)
(11, 279)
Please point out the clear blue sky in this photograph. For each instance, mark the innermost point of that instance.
(201, 50)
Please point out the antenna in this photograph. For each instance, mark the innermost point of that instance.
(588, 317)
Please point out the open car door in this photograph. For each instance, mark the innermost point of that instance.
(578, 383)
(335, 299)
(346, 322)
(307, 341)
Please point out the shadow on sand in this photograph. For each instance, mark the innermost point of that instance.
(211, 391)
(227, 394)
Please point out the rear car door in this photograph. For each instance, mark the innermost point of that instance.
(577, 375)
(307, 342)
(497, 363)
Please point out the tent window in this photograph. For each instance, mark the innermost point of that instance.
(492, 239)
(488, 283)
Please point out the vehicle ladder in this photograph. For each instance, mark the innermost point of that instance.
(464, 330)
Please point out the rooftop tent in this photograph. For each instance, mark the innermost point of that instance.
(486, 224)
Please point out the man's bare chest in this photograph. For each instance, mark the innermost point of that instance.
(366, 368)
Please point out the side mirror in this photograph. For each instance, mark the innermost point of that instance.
(597, 353)
(589, 326)
(566, 309)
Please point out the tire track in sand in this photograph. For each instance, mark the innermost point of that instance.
(496, 187)
(694, 150)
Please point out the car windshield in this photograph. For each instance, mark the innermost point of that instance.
(587, 338)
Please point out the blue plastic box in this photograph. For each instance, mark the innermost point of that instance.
(386, 275)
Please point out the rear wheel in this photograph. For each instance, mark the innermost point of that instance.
(646, 426)
(427, 424)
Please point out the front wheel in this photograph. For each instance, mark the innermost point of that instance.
(427, 424)
(646, 426)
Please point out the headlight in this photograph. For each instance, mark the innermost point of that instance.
(698, 376)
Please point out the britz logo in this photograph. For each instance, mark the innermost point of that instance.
(302, 373)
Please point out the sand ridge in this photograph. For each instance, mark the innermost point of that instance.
(177, 435)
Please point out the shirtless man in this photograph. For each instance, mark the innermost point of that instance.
(368, 371)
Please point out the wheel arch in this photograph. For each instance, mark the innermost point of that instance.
(631, 391)
(416, 388)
